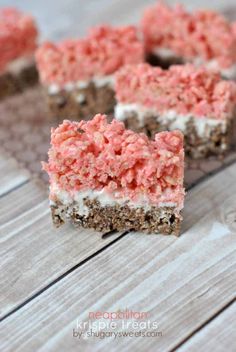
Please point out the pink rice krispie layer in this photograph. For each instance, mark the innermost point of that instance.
(97, 155)
(183, 88)
(202, 34)
(18, 35)
(103, 52)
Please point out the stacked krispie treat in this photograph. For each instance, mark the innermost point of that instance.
(128, 174)
(18, 41)
(78, 75)
(173, 35)
(196, 101)
(105, 177)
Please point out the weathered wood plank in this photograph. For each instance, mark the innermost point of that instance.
(16, 203)
(217, 336)
(181, 282)
(33, 252)
(11, 175)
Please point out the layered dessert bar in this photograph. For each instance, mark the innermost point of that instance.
(18, 40)
(78, 75)
(172, 35)
(194, 100)
(105, 177)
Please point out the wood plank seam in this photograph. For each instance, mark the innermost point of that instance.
(14, 188)
(218, 335)
(11, 171)
(39, 216)
(200, 179)
(205, 291)
(59, 278)
(211, 238)
(87, 259)
(182, 343)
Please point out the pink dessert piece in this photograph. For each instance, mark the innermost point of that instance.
(98, 168)
(78, 74)
(102, 53)
(194, 100)
(202, 37)
(18, 41)
(18, 36)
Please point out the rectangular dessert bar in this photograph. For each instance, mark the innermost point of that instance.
(172, 36)
(18, 40)
(105, 177)
(194, 100)
(78, 74)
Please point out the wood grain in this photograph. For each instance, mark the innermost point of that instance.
(11, 175)
(217, 336)
(33, 252)
(16, 203)
(182, 282)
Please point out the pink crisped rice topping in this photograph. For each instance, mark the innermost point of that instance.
(183, 88)
(204, 34)
(98, 155)
(18, 35)
(103, 52)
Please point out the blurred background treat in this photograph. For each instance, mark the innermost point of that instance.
(172, 34)
(24, 126)
(78, 75)
(18, 41)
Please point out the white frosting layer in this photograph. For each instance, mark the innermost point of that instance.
(174, 120)
(164, 53)
(103, 197)
(17, 65)
(98, 82)
(228, 73)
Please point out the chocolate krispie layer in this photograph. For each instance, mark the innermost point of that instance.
(81, 103)
(159, 220)
(163, 62)
(16, 82)
(217, 142)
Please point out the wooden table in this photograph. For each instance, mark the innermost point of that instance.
(51, 279)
